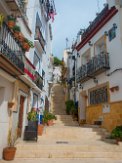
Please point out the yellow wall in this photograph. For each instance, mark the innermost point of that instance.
(110, 120)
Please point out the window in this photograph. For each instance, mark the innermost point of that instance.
(43, 76)
(35, 101)
(86, 57)
(36, 61)
(112, 33)
(98, 96)
(100, 46)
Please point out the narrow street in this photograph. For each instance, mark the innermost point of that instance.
(66, 142)
(60, 81)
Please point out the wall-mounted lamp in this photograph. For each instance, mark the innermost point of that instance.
(114, 26)
(90, 44)
(95, 81)
(106, 33)
(78, 55)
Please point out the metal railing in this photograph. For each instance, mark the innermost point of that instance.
(96, 65)
(49, 7)
(38, 80)
(29, 68)
(96, 21)
(10, 47)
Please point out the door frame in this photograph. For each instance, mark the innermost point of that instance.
(82, 95)
(21, 93)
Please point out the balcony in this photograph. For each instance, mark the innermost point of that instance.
(95, 23)
(17, 6)
(29, 69)
(48, 7)
(102, 18)
(38, 80)
(95, 66)
(11, 53)
(39, 40)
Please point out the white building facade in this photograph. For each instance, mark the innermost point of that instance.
(40, 25)
(98, 83)
(23, 73)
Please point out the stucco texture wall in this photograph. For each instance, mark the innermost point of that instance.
(110, 120)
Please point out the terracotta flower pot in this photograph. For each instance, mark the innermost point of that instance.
(26, 47)
(9, 153)
(16, 35)
(21, 37)
(11, 24)
(117, 141)
(40, 129)
(50, 123)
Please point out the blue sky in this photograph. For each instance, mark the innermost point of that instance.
(72, 15)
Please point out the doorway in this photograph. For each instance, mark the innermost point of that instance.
(21, 112)
(82, 106)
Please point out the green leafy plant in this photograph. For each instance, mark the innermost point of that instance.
(32, 116)
(16, 28)
(12, 138)
(48, 116)
(30, 43)
(70, 106)
(117, 132)
(57, 62)
(11, 17)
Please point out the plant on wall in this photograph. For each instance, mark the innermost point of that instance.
(11, 21)
(70, 106)
(1, 19)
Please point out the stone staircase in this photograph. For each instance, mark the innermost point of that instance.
(66, 139)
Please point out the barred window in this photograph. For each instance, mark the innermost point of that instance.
(98, 96)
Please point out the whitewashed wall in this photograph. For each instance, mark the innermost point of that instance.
(6, 89)
(114, 48)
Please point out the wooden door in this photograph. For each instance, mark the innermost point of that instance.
(21, 112)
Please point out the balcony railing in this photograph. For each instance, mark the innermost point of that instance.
(96, 21)
(39, 37)
(29, 69)
(95, 66)
(38, 80)
(17, 6)
(49, 8)
(10, 47)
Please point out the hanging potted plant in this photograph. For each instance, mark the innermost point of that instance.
(10, 150)
(11, 21)
(21, 37)
(17, 31)
(27, 44)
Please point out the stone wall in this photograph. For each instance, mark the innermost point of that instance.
(110, 119)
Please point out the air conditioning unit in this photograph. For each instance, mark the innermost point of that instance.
(118, 3)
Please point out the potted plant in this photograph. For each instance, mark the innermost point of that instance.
(10, 150)
(117, 134)
(17, 31)
(48, 118)
(27, 44)
(21, 37)
(11, 21)
(32, 118)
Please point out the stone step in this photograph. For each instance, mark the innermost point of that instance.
(66, 154)
(63, 146)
